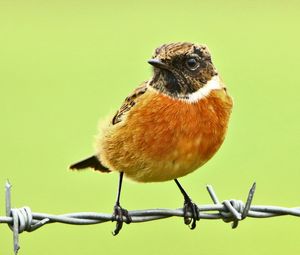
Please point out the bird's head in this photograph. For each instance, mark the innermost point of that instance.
(181, 69)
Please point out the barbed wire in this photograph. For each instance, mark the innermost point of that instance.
(23, 219)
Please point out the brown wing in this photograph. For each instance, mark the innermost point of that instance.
(129, 103)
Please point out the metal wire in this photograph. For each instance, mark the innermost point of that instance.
(23, 219)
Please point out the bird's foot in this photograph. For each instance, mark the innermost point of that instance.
(118, 215)
(190, 213)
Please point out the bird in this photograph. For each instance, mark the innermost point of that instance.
(168, 127)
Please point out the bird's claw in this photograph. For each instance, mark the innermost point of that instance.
(118, 216)
(190, 208)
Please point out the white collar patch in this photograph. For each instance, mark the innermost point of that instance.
(212, 84)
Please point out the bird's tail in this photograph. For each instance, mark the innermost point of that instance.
(92, 162)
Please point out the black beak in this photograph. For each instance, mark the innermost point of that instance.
(157, 63)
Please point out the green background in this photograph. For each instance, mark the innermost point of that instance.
(66, 64)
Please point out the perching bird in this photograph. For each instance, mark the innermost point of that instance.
(168, 127)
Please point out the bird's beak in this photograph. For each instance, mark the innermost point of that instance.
(158, 63)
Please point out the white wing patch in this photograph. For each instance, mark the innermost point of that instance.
(212, 84)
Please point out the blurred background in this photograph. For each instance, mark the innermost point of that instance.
(64, 65)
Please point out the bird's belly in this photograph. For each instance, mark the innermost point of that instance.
(164, 139)
(181, 160)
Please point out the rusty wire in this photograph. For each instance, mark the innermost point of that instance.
(23, 219)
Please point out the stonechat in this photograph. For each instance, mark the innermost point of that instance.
(168, 127)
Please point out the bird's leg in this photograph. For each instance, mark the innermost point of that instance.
(119, 213)
(189, 208)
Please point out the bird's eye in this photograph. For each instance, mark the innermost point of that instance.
(192, 64)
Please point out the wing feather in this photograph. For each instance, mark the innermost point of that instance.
(129, 102)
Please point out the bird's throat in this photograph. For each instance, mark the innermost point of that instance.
(172, 84)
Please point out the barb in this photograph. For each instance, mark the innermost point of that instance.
(23, 219)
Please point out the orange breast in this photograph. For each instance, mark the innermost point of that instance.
(163, 138)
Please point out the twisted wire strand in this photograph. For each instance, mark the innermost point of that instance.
(23, 219)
